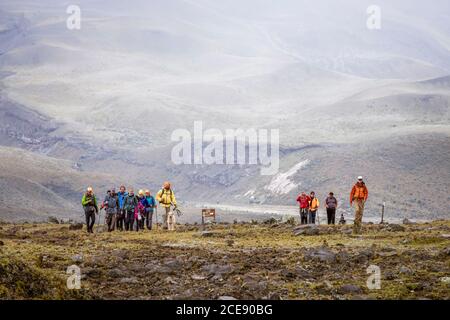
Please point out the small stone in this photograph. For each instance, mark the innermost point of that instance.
(395, 228)
(405, 270)
(230, 242)
(350, 289)
(207, 234)
(115, 273)
(321, 254)
(2, 243)
(445, 280)
(77, 258)
(131, 280)
(198, 277)
(226, 298)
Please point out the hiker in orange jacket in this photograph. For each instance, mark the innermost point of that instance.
(313, 207)
(358, 195)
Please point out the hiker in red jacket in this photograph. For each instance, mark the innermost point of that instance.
(303, 200)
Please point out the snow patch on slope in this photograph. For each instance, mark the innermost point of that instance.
(281, 184)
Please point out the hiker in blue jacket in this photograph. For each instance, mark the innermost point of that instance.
(121, 212)
(149, 209)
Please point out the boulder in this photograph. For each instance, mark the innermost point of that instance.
(307, 230)
(321, 254)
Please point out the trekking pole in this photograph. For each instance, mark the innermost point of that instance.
(156, 216)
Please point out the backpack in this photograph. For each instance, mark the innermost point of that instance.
(164, 191)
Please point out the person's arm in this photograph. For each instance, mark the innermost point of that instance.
(159, 195)
(336, 203)
(174, 200)
(83, 200)
(95, 203)
(326, 203)
(298, 199)
(318, 203)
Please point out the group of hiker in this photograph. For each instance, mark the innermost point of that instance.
(309, 205)
(127, 211)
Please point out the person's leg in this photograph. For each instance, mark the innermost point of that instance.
(113, 221)
(108, 221)
(91, 226)
(333, 216)
(358, 216)
(120, 220)
(304, 216)
(88, 218)
(127, 220)
(167, 210)
(328, 216)
(149, 220)
(313, 217)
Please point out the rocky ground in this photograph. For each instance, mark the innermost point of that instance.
(265, 260)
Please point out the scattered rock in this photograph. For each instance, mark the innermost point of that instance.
(230, 242)
(307, 230)
(226, 298)
(198, 277)
(350, 289)
(2, 243)
(77, 258)
(407, 221)
(270, 221)
(76, 226)
(445, 252)
(405, 270)
(217, 270)
(208, 234)
(115, 273)
(91, 272)
(131, 280)
(445, 235)
(395, 228)
(321, 254)
(389, 275)
(445, 280)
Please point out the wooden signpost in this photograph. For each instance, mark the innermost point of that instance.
(208, 214)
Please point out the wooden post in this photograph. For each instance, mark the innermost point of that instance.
(382, 212)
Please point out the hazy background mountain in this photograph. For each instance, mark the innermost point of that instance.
(103, 101)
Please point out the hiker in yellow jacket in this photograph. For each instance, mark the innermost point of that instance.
(313, 207)
(166, 198)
